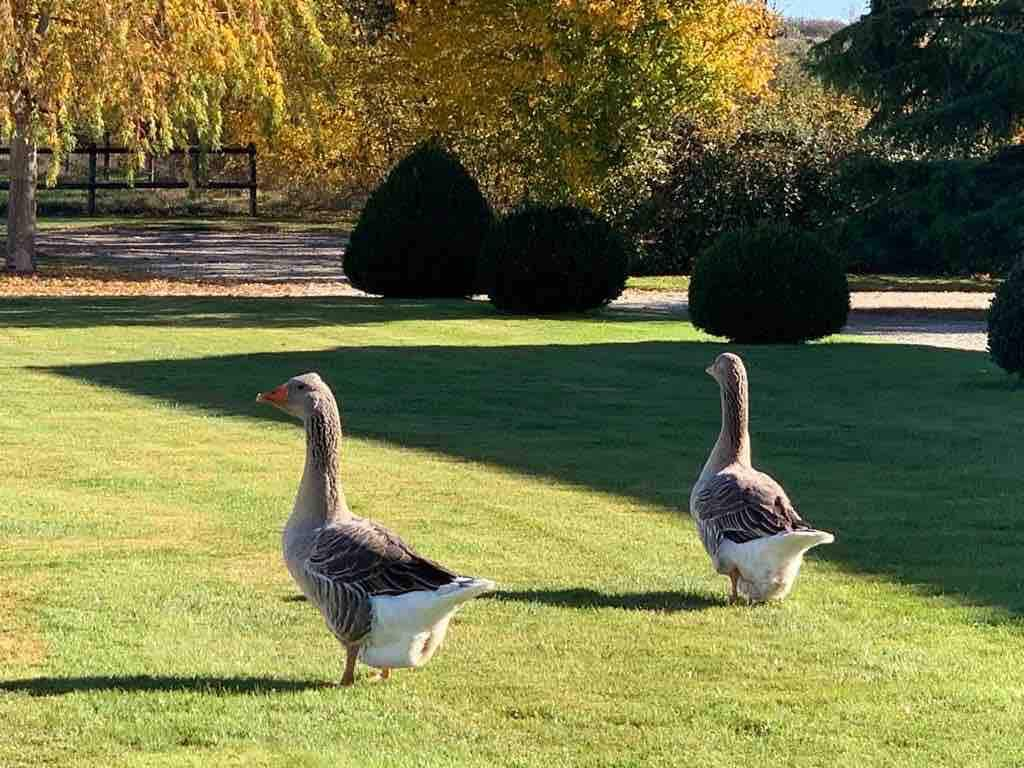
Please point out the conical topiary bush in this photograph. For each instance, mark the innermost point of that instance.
(421, 230)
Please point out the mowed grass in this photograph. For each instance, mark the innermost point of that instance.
(147, 619)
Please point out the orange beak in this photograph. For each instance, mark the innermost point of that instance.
(276, 396)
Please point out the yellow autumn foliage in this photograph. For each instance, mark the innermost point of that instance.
(547, 98)
(543, 99)
(151, 73)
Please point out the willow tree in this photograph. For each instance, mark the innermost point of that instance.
(940, 73)
(150, 73)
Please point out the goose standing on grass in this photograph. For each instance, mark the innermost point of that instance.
(388, 606)
(745, 520)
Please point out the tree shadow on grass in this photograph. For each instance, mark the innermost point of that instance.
(666, 602)
(219, 312)
(214, 686)
(901, 451)
(295, 312)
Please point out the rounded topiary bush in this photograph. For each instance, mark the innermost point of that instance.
(421, 231)
(560, 259)
(769, 283)
(1006, 322)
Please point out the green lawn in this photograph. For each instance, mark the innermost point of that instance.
(674, 283)
(146, 618)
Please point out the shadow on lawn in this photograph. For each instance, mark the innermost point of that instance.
(215, 686)
(905, 453)
(667, 602)
(297, 312)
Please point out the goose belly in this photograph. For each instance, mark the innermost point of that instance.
(405, 631)
(769, 582)
(769, 566)
(296, 543)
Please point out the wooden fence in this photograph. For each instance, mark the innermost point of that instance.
(92, 184)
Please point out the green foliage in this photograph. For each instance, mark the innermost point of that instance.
(561, 259)
(768, 284)
(714, 187)
(946, 73)
(1006, 322)
(777, 162)
(934, 217)
(421, 231)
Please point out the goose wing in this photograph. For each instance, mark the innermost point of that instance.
(742, 505)
(368, 557)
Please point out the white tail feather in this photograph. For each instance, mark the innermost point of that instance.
(408, 628)
(784, 546)
(769, 566)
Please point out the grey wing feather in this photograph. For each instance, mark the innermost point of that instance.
(353, 562)
(366, 554)
(742, 506)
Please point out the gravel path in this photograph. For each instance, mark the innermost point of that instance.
(255, 256)
(949, 319)
(303, 263)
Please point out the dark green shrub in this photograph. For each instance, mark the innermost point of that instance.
(935, 217)
(561, 259)
(1006, 322)
(769, 283)
(421, 231)
(713, 187)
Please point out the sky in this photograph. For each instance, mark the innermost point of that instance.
(821, 9)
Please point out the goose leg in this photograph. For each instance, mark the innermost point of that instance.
(734, 575)
(352, 652)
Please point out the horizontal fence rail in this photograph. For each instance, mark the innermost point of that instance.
(93, 184)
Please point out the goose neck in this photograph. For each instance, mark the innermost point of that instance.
(321, 497)
(733, 444)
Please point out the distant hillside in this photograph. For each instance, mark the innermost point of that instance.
(813, 30)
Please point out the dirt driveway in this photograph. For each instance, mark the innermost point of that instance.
(194, 262)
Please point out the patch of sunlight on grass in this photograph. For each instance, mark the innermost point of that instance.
(146, 617)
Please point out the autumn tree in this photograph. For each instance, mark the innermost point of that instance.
(151, 73)
(542, 99)
(942, 73)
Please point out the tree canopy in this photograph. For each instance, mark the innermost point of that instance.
(546, 100)
(541, 99)
(151, 73)
(943, 73)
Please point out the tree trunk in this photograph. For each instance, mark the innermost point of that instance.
(21, 202)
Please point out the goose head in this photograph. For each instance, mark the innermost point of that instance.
(300, 396)
(728, 369)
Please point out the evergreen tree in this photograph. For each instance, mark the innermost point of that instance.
(944, 73)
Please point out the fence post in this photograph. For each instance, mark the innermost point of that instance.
(252, 179)
(92, 179)
(106, 157)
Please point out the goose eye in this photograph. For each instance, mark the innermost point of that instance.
(301, 386)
